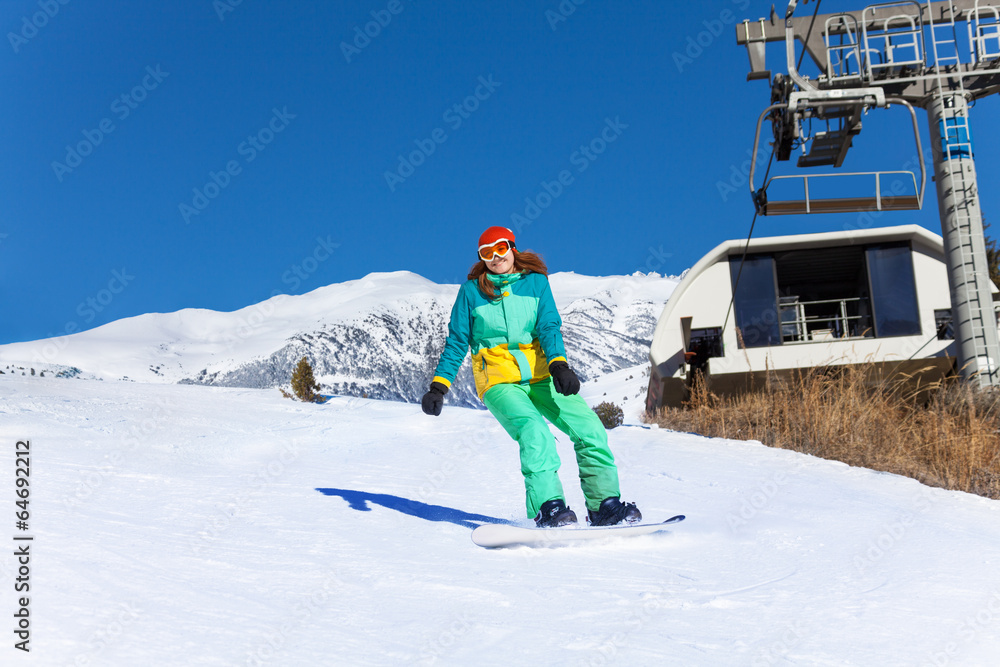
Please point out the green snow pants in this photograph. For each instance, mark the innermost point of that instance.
(522, 410)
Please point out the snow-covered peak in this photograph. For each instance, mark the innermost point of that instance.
(376, 336)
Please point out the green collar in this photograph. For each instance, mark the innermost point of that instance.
(504, 278)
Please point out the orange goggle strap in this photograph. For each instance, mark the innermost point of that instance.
(492, 250)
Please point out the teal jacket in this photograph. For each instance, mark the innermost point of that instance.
(513, 338)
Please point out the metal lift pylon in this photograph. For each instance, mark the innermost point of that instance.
(909, 54)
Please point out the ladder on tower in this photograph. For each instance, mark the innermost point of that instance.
(956, 145)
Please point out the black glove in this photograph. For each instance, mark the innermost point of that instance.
(433, 400)
(564, 379)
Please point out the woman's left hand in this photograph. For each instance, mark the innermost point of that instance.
(564, 379)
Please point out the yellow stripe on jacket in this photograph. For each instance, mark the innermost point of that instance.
(496, 365)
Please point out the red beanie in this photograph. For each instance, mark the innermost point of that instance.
(494, 234)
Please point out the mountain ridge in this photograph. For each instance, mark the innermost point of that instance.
(378, 336)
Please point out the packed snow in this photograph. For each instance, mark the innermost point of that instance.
(193, 525)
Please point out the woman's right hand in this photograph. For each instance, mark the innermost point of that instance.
(433, 400)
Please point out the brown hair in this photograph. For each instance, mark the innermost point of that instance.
(524, 262)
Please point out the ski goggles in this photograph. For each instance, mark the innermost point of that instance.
(499, 249)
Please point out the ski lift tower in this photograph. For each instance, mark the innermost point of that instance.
(891, 53)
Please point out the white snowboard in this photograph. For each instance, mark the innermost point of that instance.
(493, 535)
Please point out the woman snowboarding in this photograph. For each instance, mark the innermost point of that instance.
(506, 314)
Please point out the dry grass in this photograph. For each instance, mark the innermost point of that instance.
(944, 434)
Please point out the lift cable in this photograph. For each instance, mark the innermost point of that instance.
(746, 247)
(802, 55)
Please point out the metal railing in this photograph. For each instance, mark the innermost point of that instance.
(891, 42)
(984, 33)
(815, 321)
(876, 201)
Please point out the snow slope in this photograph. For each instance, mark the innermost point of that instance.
(194, 525)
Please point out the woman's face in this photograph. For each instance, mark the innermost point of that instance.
(503, 264)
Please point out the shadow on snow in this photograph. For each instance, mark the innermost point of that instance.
(359, 500)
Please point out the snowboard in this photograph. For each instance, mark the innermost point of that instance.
(495, 535)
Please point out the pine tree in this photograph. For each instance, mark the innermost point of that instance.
(304, 384)
(610, 414)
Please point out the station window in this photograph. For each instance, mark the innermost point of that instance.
(756, 302)
(894, 290)
(823, 294)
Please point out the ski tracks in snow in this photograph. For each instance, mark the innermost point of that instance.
(234, 527)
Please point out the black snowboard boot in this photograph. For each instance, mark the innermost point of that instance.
(613, 511)
(554, 514)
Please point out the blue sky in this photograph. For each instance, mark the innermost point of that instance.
(159, 156)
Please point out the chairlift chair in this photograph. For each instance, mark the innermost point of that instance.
(844, 106)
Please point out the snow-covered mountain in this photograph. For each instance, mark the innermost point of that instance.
(377, 337)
